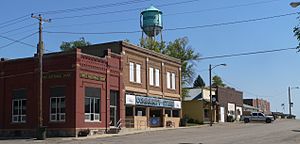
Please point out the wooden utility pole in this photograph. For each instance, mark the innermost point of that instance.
(41, 132)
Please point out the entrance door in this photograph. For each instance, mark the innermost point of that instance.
(114, 96)
(222, 114)
(113, 115)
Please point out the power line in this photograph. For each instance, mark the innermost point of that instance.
(15, 19)
(18, 41)
(12, 30)
(182, 28)
(171, 14)
(119, 11)
(14, 22)
(246, 53)
(94, 7)
(225, 7)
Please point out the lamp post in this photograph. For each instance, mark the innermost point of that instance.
(294, 4)
(290, 101)
(210, 95)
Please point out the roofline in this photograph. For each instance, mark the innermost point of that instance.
(130, 45)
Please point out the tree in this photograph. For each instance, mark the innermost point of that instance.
(152, 44)
(199, 82)
(297, 35)
(178, 49)
(217, 81)
(67, 46)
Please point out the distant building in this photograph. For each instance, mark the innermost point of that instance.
(196, 105)
(230, 104)
(261, 104)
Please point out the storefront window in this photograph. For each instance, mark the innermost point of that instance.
(168, 112)
(57, 104)
(176, 113)
(140, 111)
(92, 104)
(206, 113)
(19, 106)
(129, 111)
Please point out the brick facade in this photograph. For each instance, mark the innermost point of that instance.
(230, 97)
(263, 105)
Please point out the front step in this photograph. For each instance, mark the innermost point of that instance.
(113, 130)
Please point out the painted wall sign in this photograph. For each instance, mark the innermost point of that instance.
(92, 77)
(56, 75)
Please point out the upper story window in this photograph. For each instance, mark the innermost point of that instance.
(92, 104)
(57, 104)
(154, 77)
(19, 106)
(171, 80)
(134, 72)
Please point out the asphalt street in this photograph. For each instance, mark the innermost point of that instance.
(278, 132)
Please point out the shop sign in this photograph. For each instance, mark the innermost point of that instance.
(177, 104)
(130, 99)
(92, 77)
(56, 75)
(155, 102)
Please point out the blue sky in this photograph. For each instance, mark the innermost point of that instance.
(258, 76)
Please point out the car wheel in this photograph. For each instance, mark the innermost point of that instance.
(268, 120)
(246, 120)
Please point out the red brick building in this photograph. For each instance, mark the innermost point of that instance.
(94, 88)
(78, 90)
(261, 104)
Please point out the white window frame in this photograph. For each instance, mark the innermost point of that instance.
(58, 116)
(168, 80)
(131, 71)
(173, 79)
(138, 73)
(151, 76)
(87, 116)
(157, 77)
(20, 117)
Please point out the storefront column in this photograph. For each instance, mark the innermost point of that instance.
(163, 117)
(148, 116)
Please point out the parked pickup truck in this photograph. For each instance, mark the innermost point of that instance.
(257, 116)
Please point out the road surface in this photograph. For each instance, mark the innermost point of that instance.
(278, 132)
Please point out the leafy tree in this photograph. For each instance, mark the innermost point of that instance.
(152, 44)
(199, 82)
(217, 81)
(297, 35)
(67, 46)
(178, 49)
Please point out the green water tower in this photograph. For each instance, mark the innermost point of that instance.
(151, 21)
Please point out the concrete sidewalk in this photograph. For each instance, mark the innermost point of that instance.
(128, 131)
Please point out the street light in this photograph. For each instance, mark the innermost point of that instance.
(294, 4)
(210, 95)
(290, 101)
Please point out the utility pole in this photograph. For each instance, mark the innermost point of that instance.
(41, 131)
(290, 107)
(210, 98)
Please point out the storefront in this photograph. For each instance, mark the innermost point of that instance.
(147, 111)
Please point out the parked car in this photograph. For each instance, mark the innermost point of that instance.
(258, 116)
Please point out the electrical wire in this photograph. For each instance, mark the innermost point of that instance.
(181, 28)
(13, 23)
(166, 15)
(93, 7)
(15, 19)
(246, 53)
(18, 41)
(119, 11)
(12, 30)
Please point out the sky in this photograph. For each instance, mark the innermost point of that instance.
(266, 76)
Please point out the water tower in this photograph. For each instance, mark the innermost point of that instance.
(151, 22)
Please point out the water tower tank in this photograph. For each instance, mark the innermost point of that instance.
(151, 21)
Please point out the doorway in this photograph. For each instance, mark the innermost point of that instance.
(114, 96)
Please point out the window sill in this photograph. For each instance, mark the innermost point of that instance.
(136, 83)
(88, 121)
